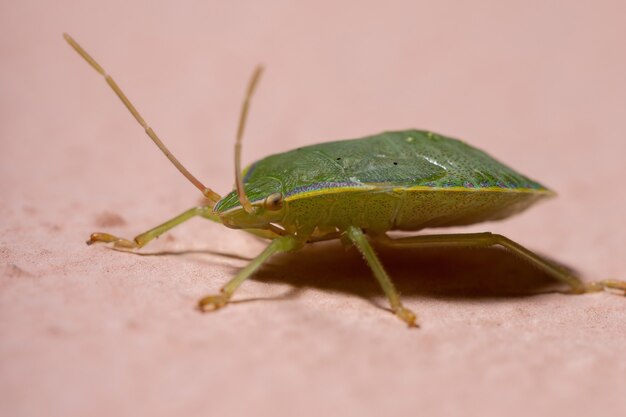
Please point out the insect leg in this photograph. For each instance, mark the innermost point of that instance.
(491, 239)
(143, 238)
(281, 244)
(360, 241)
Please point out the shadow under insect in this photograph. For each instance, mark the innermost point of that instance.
(435, 272)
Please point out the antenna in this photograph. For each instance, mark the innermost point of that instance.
(207, 192)
(241, 192)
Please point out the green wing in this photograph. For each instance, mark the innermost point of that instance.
(391, 159)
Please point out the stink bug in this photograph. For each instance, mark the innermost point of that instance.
(358, 190)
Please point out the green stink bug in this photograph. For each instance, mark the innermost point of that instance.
(358, 189)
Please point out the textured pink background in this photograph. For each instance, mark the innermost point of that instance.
(90, 331)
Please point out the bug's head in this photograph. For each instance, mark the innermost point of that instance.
(267, 206)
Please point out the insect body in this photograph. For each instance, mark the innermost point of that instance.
(358, 190)
(406, 180)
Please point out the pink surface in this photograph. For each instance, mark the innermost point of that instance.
(90, 331)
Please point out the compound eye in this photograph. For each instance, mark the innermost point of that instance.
(274, 202)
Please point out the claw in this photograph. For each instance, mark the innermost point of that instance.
(407, 316)
(213, 302)
(610, 285)
(118, 242)
(614, 286)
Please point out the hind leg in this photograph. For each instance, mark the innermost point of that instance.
(491, 239)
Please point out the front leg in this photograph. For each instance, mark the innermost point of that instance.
(145, 237)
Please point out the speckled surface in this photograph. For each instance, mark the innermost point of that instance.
(91, 331)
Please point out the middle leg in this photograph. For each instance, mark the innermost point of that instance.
(357, 237)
